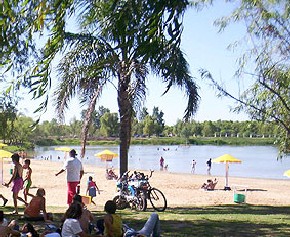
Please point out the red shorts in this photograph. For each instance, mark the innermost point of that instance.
(71, 191)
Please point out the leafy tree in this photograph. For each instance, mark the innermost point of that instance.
(208, 129)
(178, 127)
(148, 126)
(43, 130)
(22, 130)
(168, 131)
(186, 132)
(196, 128)
(99, 113)
(268, 99)
(8, 115)
(143, 113)
(110, 124)
(75, 127)
(158, 117)
(137, 127)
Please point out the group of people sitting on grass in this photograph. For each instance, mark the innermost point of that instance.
(77, 221)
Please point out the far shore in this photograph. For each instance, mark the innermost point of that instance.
(181, 190)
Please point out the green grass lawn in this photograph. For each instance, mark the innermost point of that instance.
(226, 220)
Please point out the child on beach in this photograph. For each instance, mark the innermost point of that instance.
(92, 189)
(17, 181)
(27, 179)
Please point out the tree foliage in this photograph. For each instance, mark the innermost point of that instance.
(265, 60)
(8, 115)
(118, 40)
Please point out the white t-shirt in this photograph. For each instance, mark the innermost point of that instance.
(71, 227)
(73, 167)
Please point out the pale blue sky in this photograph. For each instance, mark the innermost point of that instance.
(204, 48)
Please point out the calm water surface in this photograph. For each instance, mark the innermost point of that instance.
(257, 161)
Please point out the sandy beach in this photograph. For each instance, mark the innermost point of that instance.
(181, 190)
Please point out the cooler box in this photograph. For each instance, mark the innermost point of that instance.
(240, 192)
(239, 197)
(86, 199)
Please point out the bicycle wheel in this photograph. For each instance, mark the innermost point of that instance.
(157, 199)
(141, 202)
(120, 202)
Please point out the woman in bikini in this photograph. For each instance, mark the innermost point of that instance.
(17, 181)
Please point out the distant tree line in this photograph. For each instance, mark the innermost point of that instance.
(19, 129)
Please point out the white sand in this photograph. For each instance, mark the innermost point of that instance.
(179, 189)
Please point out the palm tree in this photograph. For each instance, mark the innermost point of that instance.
(124, 41)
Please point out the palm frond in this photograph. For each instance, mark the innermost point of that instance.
(138, 85)
(174, 71)
(86, 67)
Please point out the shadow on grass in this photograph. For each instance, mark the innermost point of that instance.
(230, 209)
(225, 220)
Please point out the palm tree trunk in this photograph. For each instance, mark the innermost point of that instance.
(125, 111)
(87, 122)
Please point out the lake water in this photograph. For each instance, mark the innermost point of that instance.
(257, 161)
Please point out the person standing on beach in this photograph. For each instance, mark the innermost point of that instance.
(161, 162)
(27, 179)
(193, 164)
(17, 181)
(208, 166)
(74, 171)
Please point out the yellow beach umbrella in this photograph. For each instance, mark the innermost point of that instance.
(63, 148)
(106, 155)
(5, 154)
(3, 145)
(287, 173)
(227, 159)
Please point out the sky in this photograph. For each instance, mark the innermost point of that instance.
(204, 48)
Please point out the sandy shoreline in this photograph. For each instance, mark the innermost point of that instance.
(180, 189)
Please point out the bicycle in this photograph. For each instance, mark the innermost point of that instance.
(155, 196)
(129, 196)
